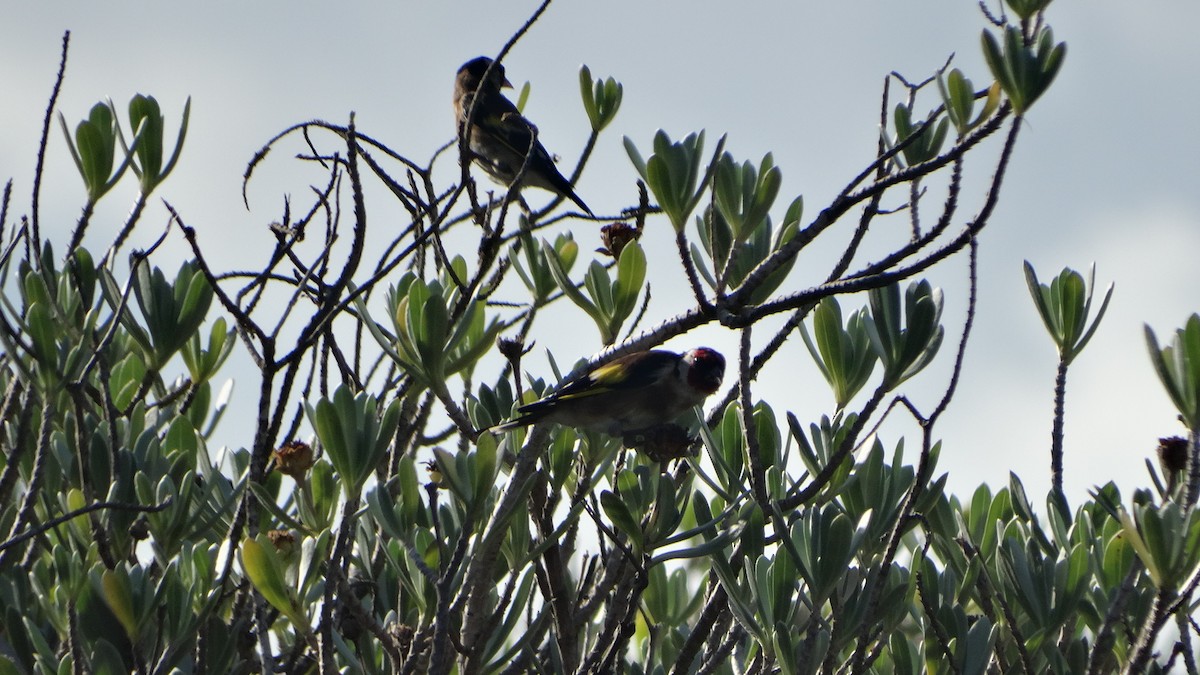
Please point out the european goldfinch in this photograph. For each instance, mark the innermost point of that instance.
(498, 137)
(633, 393)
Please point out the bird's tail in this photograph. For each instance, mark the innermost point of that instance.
(570, 194)
(527, 414)
(519, 421)
(563, 187)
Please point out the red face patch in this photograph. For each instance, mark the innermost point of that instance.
(707, 370)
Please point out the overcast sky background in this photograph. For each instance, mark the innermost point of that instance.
(1105, 171)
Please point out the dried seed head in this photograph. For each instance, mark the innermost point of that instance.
(284, 541)
(616, 237)
(1172, 454)
(294, 459)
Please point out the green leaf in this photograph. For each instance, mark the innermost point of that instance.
(523, 96)
(844, 355)
(958, 95)
(631, 275)
(601, 99)
(905, 351)
(106, 658)
(353, 434)
(1025, 9)
(1134, 538)
(1023, 71)
(773, 281)
(929, 135)
(43, 335)
(118, 595)
(558, 269)
(621, 517)
(599, 287)
(181, 440)
(471, 340)
(976, 651)
(145, 115)
(743, 194)
(635, 157)
(173, 312)
(146, 118)
(204, 362)
(265, 570)
(1178, 369)
(673, 173)
(96, 149)
(327, 423)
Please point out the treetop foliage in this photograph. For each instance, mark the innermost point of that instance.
(375, 521)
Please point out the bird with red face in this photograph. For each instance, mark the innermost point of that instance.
(498, 136)
(633, 393)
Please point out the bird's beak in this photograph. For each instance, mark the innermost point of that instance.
(505, 84)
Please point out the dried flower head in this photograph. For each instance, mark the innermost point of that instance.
(1172, 454)
(616, 237)
(294, 459)
(402, 634)
(284, 541)
(511, 348)
(435, 473)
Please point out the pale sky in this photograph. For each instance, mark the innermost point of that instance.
(1105, 170)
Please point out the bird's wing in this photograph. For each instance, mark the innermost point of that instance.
(618, 375)
(500, 119)
(514, 132)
